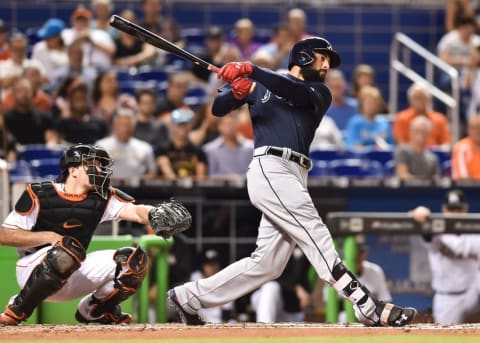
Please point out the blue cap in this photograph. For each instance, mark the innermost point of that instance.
(52, 27)
(182, 115)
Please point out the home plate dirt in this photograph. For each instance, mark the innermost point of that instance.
(158, 331)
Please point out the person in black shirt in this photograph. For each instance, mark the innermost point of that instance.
(24, 122)
(214, 40)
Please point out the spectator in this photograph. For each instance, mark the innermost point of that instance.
(342, 107)
(148, 128)
(413, 160)
(41, 100)
(279, 47)
(474, 105)
(51, 51)
(457, 48)
(4, 46)
(455, 10)
(367, 129)
(286, 298)
(74, 68)
(181, 159)
(419, 100)
(130, 51)
(14, 67)
(98, 47)
(102, 11)
(24, 122)
(297, 23)
(154, 21)
(214, 41)
(8, 149)
(327, 136)
(134, 159)
(466, 153)
(107, 98)
(228, 53)
(210, 264)
(174, 98)
(78, 125)
(243, 39)
(230, 154)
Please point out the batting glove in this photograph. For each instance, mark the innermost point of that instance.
(241, 87)
(233, 70)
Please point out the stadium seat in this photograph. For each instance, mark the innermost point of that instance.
(446, 167)
(195, 96)
(330, 154)
(382, 156)
(356, 167)
(39, 151)
(20, 171)
(45, 169)
(319, 169)
(151, 74)
(442, 154)
(389, 168)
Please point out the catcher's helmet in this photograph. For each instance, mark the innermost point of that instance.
(302, 53)
(95, 159)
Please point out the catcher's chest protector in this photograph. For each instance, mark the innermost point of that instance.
(73, 216)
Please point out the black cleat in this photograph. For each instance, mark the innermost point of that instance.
(185, 317)
(393, 315)
(108, 318)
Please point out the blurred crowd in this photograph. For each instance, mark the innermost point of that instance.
(84, 81)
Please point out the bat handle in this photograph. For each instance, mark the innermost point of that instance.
(213, 68)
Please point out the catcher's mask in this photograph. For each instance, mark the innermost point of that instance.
(97, 164)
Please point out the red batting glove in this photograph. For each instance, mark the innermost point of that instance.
(234, 70)
(241, 87)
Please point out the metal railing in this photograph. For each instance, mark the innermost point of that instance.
(400, 63)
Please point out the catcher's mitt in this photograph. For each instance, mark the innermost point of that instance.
(169, 218)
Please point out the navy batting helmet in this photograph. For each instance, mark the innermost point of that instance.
(302, 53)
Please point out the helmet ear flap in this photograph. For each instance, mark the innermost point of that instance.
(304, 58)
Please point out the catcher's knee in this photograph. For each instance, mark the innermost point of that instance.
(65, 257)
(132, 264)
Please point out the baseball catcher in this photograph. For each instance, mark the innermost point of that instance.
(52, 225)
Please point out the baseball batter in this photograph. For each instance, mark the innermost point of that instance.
(52, 225)
(454, 264)
(285, 112)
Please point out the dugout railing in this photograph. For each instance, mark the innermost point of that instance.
(350, 224)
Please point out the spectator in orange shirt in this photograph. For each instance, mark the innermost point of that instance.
(466, 153)
(419, 99)
(4, 46)
(41, 100)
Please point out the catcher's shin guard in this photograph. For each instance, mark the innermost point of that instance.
(132, 266)
(48, 277)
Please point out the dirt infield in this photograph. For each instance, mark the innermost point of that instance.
(170, 331)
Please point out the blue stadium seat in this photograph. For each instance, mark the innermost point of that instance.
(389, 168)
(39, 151)
(20, 171)
(319, 168)
(446, 167)
(151, 74)
(382, 156)
(442, 154)
(330, 154)
(195, 96)
(47, 168)
(356, 167)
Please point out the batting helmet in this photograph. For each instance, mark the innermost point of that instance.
(95, 159)
(302, 53)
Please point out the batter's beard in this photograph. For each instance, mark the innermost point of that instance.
(311, 75)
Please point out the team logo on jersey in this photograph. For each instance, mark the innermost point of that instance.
(266, 97)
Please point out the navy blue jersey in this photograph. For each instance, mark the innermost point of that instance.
(285, 111)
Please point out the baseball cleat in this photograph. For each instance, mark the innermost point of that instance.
(393, 315)
(11, 318)
(108, 318)
(185, 317)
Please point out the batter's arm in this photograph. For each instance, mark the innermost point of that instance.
(224, 102)
(23, 238)
(293, 90)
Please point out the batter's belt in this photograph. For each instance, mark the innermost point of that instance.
(286, 154)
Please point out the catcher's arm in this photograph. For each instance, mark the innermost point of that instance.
(135, 213)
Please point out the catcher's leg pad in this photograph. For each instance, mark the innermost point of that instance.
(347, 285)
(49, 276)
(132, 264)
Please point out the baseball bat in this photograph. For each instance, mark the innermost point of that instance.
(149, 37)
